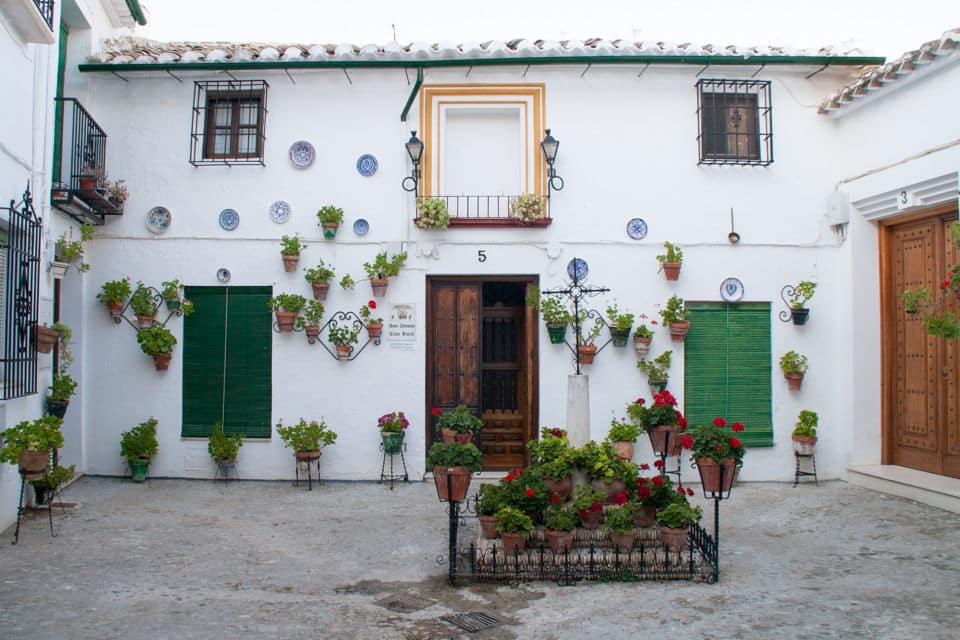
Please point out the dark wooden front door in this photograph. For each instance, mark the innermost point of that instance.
(921, 372)
(481, 352)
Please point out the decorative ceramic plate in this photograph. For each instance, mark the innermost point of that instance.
(731, 290)
(229, 219)
(361, 226)
(158, 220)
(637, 229)
(223, 274)
(280, 212)
(367, 165)
(577, 269)
(302, 154)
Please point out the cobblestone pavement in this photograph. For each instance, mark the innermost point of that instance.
(201, 559)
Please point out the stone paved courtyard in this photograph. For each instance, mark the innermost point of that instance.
(198, 559)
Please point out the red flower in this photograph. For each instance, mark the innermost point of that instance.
(622, 498)
(643, 492)
(657, 481)
(950, 274)
(734, 442)
(517, 472)
(644, 467)
(719, 422)
(530, 493)
(944, 284)
(596, 506)
(653, 322)
(689, 492)
(681, 491)
(658, 464)
(737, 426)
(556, 499)
(641, 401)
(682, 422)
(583, 513)
(641, 481)
(436, 411)
(557, 433)
(686, 441)
(372, 304)
(509, 477)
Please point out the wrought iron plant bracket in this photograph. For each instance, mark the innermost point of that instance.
(575, 291)
(156, 297)
(344, 319)
(785, 293)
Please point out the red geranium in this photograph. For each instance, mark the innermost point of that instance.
(596, 506)
(657, 481)
(583, 513)
(719, 422)
(509, 477)
(944, 284)
(734, 442)
(641, 481)
(689, 492)
(737, 426)
(686, 441)
(530, 493)
(556, 499)
(372, 304)
(641, 401)
(557, 433)
(643, 492)
(682, 422)
(436, 411)
(622, 498)
(658, 464)
(681, 491)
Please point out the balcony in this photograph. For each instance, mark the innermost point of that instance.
(81, 188)
(491, 211)
(32, 20)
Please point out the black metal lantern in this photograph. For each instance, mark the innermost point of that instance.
(549, 146)
(415, 151)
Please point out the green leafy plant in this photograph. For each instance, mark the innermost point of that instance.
(622, 431)
(793, 362)
(366, 312)
(62, 388)
(658, 368)
(343, 336)
(586, 498)
(553, 444)
(492, 498)
(679, 515)
(292, 245)
(143, 302)
(67, 251)
(622, 322)
(63, 346)
(306, 436)
(319, 274)
(460, 420)
(291, 302)
(157, 340)
(527, 208)
(662, 412)
(620, 519)
(171, 289)
(672, 255)
(347, 282)
(384, 267)
(561, 519)
(37, 435)
(223, 447)
(806, 425)
(656, 492)
(603, 462)
(140, 442)
(801, 293)
(330, 215)
(511, 520)
(715, 441)
(525, 490)
(587, 335)
(54, 477)
(115, 291)
(675, 311)
(312, 315)
(432, 213)
(454, 454)
(642, 330)
(551, 308)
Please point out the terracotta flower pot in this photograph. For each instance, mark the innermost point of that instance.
(312, 331)
(645, 516)
(286, 320)
(513, 543)
(664, 436)
(587, 352)
(290, 263)
(448, 435)
(459, 482)
(562, 487)
(145, 322)
(671, 270)
(162, 361)
(320, 290)
(794, 380)
(464, 437)
(306, 455)
(679, 329)
(46, 338)
(804, 445)
(612, 488)
(623, 539)
(374, 329)
(642, 345)
(675, 538)
(624, 448)
(33, 463)
(559, 541)
(379, 286)
(330, 229)
(488, 527)
(591, 519)
(344, 351)
(717, 477)
(115, 308)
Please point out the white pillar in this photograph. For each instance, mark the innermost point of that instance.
(578, 409)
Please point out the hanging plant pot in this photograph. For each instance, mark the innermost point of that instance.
(344, 351)
(671, 270)
(642, 345)
(57, 408)
(320, 290)
(488, 527)
(59, 269)
(679, 329)
(559, 541)
(794, 380)
(138, 469)
(290, 263)
(286, 320)
(145, 322)
(664, 439)
(313, 332)
(46, 338)
(33, 463)
(115, 309)
(799, 316)
(675, 538)
(717, 477)
(162, 361)
(374, 329)
(392, 441)
(557, 333)
(619, 336)
(624, 448)
(587, 352)
(379, 286)
(623, 540)
(804, 445)
(173, 304)
(459, 482)
(656, 386)
(330, 230)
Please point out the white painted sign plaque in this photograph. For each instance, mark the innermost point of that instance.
(402, 323)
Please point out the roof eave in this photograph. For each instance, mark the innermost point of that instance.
(136, 12)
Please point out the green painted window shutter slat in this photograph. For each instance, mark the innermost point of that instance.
(203, 361)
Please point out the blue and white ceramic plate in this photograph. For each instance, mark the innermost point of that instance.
(367, 165)
(361, 226)
(637, 229)
(280, 212)
(577, 269)
(302, 154)
(229, 219)
(731, 290)
(223, 274)
(158, 220)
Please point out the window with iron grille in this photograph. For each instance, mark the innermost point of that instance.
(229, 118)
(735, 122)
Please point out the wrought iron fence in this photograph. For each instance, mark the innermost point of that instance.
(479, 208)
(45, 7)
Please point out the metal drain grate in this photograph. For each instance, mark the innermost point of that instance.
(349, 588)
(405, 602)
(473, 621)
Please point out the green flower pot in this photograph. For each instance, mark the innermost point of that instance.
(619, 337)
(138, 469)
(392, 442)
(173, 304)
(557, 333)
(656, 386)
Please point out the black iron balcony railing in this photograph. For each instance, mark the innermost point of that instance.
(45, 7)
(501, 210)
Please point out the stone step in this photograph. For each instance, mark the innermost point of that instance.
(926, 488)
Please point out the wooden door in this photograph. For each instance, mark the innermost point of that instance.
(922, 376)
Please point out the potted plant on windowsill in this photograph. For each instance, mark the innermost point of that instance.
(528, 208)
(560, 523)
(343, 338)
(801, 293)
(306, 438)
(29, 444)
(290, 248)
(392, 426)
(432, 214)
(622, 436)
(61, 390)
(586, 349)
(620, 325)
(661, 421)
(374, 324)
(66, 252)
(458, 424)
(454, 461)
(157, 341)
(139, 445)
(330, 218)
(804, 434)
(589, 505)
(671, 261)
(114, 294)
(144, 306)
(657, 371)
(717, 453)
(287, 307)
(675, 317)
(319, 278)
(381, 269)
(309, 322)
(642, 337)
(555, 315)
(492, 498)
(794, 366)
(675, 521)
(46, 487)
(514, 527)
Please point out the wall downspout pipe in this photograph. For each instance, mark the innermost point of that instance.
(413, 95)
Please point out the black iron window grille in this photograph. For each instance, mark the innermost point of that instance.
(21, 299)
(45, 7)
(229, 118)
(735, 122)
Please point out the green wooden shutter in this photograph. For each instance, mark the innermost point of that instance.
(203, 356)
(249, 357)
(727, 368)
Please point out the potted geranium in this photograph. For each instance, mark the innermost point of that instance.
(619, 324)
(66, 252)
(804, 434)
(343, 338)
(608, 472)
(586, 349)
(794, 366)
(661, 421)
(514, 527)
(528, 208)
(392, 426)
(622, 436)
(144, 305)
(589, 505)
(61, 390)
(139, 445)
(526, 490)
(671, 260)
(290, 248)
(552, 454)
(561, 522)
(330, 218)
(309, 322)
(453, 464)
(157, 341)
(675, 521)
(46, 487)
(114, 294)
(172, 293)
(319, 278)
(675, 317)
(555, 314)
(642, 337)
(458, 424)
(653, 494)
(623, 530)
(29, 444)
(374, 324)
(801, 293)
(224, 449)
(657, 370)
(716, 452)
(287, 306)
(306, 438)
(492, 498)
(432, 213)
(381, 269)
